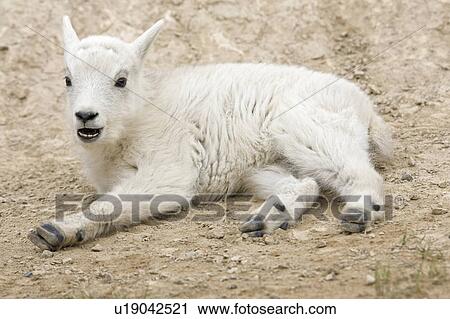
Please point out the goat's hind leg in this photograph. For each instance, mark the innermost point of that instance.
(341, 163)
(286, 199)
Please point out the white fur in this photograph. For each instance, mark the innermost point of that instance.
(227, 131)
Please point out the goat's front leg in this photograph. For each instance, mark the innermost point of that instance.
(101, 219)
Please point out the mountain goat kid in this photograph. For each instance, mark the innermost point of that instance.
(220, 129)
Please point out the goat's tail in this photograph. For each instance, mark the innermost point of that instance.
(381, 137)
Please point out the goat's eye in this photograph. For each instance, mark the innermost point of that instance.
(68, 81)
(121, 82)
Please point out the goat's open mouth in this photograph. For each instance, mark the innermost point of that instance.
(89, 134)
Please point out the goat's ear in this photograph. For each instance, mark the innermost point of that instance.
(69, 34)
(144, 41)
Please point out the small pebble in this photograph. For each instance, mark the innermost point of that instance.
(46, 254)
(442, 184)
(97, 248)
(67, 261)
(411, 162)
(439, 211)
(215, 234)
(330, 276)
(232, 286)
(28, 274)
(370, 280)
(280, 266)
(406, 177)
(269, 240)
(321, 244)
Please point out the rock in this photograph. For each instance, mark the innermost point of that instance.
(215, 234)
(275, 253)
(406, 177)
(46, 254)
(439, 211)
(281, 266)
(321, 244)
(4, 48)
(374, 90)
(330, 276)
(97, 248)
(442, 184)
(411, 162)
(232, 286)
(370, 280)
(66, 261)
(106, 277)
(28, 274)
(269, 240)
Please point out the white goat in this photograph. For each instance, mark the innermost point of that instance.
(219, 129)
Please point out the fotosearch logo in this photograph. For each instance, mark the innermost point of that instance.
(215, 207)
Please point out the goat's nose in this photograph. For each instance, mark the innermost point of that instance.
(86, 116)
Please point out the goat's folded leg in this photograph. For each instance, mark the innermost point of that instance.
(286, 199)
(368, 203)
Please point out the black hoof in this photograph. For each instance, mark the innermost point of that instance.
(39, 241)
(284, 226)
(353, 227)
(47, 237)
(354, 220)
(258, 223)
(254, 224)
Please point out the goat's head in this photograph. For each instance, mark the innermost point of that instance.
(102, 79)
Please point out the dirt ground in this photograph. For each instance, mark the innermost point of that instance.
(407, 256)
